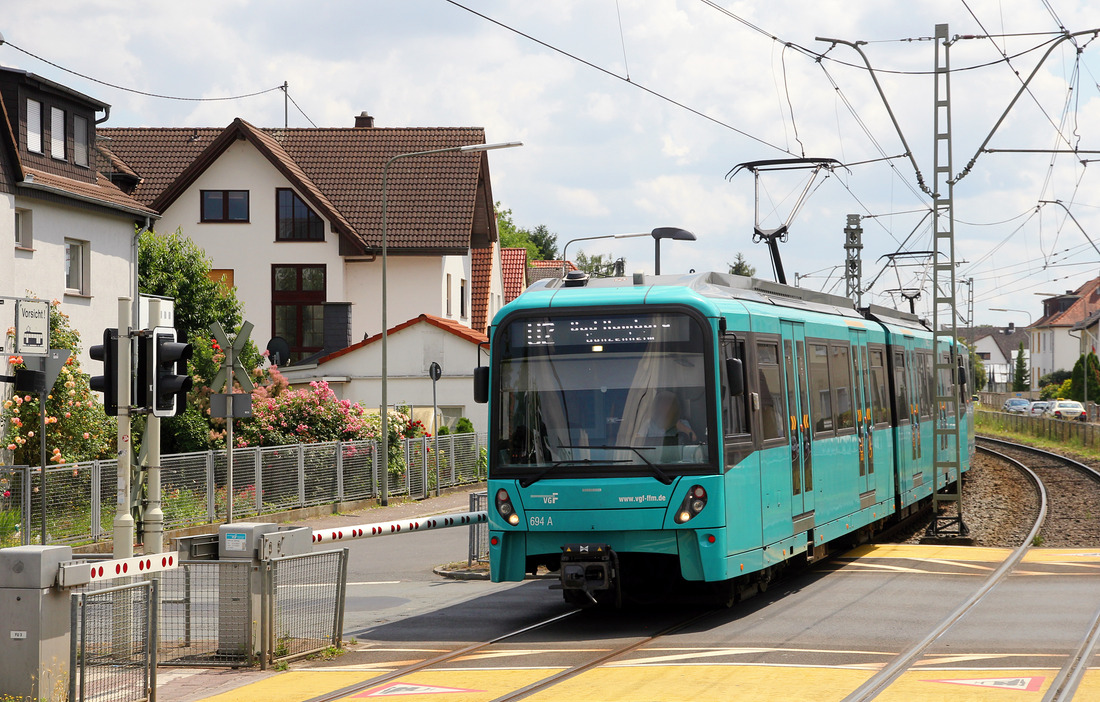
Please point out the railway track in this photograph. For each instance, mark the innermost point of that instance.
(1066, 490)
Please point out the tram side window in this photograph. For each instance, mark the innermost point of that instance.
(734, 416)
(772, 423)
(841, 372)
(901, 386)
(821, 404)
(881, 399)
(927, 394)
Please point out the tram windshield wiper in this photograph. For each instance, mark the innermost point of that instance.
(660, 474)
(528, 482)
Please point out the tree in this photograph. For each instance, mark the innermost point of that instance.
(76, 427)
(977, 368)
(741, 267)
(1020, 381)
(597, 265)
(1079, 389)
(541, 243)
(174, 266)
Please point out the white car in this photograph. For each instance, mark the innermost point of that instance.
(1038, 407)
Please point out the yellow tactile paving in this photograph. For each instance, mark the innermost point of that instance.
(921, 552)
(971, 685)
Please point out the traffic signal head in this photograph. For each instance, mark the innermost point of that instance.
(167, 372)
(108, 382)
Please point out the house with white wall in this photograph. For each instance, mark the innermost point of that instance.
(1055, 344)
(70, 232)
(293, 219)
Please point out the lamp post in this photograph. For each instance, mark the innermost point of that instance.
(385, 486)
(657, 234)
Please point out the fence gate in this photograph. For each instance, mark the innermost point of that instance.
(112, 654)
(303, 604)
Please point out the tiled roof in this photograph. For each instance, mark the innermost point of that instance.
(448, 325)
(103, 191)
(513, 264)
(481, 284)
(1008, 342)
(539, 270)
(431, 200)
(1087, 302)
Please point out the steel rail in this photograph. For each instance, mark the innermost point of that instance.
(598, 661)
(878, 683)
(1064, 686)
(442, 658)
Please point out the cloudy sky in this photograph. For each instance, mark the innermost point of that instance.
(632, 113)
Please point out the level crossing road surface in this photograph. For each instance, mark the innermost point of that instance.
(815, 636)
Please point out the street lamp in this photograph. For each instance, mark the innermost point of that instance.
(1008, 309)
(385, 487)
(657, 234)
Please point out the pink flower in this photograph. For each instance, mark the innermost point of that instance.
(87, 435)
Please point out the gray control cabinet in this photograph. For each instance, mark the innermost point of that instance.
(34, 623)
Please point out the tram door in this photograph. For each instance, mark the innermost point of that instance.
(801, 430)
(861, 401)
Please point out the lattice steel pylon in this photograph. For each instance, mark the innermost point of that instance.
(853, 261)
(946, 523)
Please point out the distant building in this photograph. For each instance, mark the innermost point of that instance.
(1055, 343)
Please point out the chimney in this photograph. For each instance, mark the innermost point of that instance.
(363, 120)
(1011, 328)
(337, 326)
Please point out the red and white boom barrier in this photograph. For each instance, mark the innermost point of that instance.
(75, 573)
(364, 531)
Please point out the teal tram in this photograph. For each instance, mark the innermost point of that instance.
(705, 427)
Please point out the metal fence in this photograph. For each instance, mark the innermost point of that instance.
(207, 615)
(194, 490)
(1084, 434)
(479, 532)
(303, 604)
(112, 659)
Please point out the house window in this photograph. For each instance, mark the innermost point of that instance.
(57, 133)
(24, 238)
(462, 298)
(297, 310)
(983, 356)
(223, 276)
(80, 141)
(224, 205)
(295, 221)
(448, 294)
(34, 126)
(76, 267)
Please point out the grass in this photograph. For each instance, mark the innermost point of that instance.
(991, 425)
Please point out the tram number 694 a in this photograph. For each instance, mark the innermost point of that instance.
(541, 521)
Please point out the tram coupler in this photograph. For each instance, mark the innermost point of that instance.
(588, 568)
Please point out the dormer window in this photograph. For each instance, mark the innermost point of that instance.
(80, 141)
(34, 126)
(57, 133)
(295, 220)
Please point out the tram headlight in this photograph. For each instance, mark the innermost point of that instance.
(692, 505)
(505, 508)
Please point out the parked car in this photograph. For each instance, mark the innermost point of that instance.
(1017, 405)
(1038, 407)
(1067, 409)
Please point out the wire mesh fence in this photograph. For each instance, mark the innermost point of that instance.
(304, 603)
(207, 614)
(479, 532)
(81, 497)
(112, 657)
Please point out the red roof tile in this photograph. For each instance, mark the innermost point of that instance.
(448, 325)
(481, 272)
(1087, 303)
(103, 191)
(434, 202)
(513, 264)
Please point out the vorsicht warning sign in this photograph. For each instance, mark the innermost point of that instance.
(32, 327)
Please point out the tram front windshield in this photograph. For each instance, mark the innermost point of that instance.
(603, 393)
